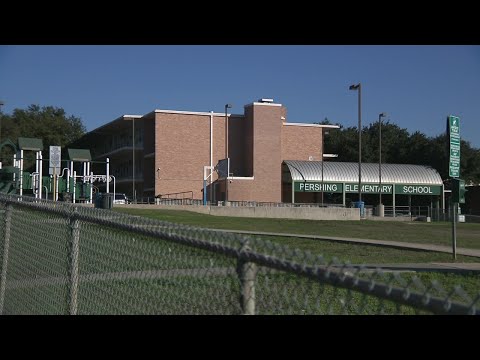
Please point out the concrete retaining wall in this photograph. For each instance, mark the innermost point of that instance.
(262, 212)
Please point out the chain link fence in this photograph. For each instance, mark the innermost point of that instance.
(58, 258)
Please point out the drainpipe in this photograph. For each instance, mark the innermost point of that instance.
(108, 177)
(443, 199)
(91, 188)
(21, 172)
(74, 185)
(40, 174)
(211, 155)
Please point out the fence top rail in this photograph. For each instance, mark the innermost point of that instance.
(259, 251)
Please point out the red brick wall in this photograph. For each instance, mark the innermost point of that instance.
(239, 190)
(182, 149)
(301, 142)
(267, 148)
(258, 143)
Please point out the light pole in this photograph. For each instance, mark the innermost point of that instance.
(227, 106)
(359, 88)
(134, 197)
(323, 151)
(380, 159)
(1, 104)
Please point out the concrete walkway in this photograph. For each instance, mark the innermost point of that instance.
(430, 267)
(394, 244)
(447, 267)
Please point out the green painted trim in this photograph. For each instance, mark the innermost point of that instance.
(412, 189)
(367, 188)
(316, 186)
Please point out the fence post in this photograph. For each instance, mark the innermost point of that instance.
(75, 231)
(3, 278)
(247, 272)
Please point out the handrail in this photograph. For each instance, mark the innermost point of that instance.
(162, 196)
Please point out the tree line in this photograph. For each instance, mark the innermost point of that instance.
(49, 123)
(399, 146)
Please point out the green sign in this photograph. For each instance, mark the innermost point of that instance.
(453, 123)
(315, 186)
(418, 189)
(458, 191)
(369, 188)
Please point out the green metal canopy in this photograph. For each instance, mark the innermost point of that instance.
(79, 155)
(30, 144)
(342, 177)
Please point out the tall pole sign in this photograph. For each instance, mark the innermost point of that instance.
(453, 128)
(453, 133)
(54, 161)
(54, 167)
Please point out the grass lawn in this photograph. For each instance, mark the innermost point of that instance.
(439, 233)
(366, 254)
(127, 273)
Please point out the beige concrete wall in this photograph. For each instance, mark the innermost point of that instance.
(288, 213)
(262, 212)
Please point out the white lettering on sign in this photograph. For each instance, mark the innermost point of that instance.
(349, 187)
(370, 188)
(317, 187)
(417, 190)
(99, 178)
(331, 187)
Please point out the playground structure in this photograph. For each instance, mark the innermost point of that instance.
(73, 180)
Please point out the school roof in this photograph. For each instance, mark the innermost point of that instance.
(348, 172)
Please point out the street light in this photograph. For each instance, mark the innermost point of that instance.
(133, 161)
(323, 151)
(380, 159)
(227, 106)
(359, 88)
(1, 104)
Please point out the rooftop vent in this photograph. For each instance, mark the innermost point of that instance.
(263, 100)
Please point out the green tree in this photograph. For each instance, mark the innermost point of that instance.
(469, 163)
(49, 123)
(401, 147)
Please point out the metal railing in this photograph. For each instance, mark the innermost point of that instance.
(411, 211)
(57, 258)
(185, 201)
(277, 204)
(184, 195)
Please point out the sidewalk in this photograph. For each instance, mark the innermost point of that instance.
(447, 267)
(395, 244)
(440, 267)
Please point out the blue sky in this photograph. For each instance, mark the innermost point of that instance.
(417, 86)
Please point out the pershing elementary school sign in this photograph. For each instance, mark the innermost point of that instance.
(315, 186)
